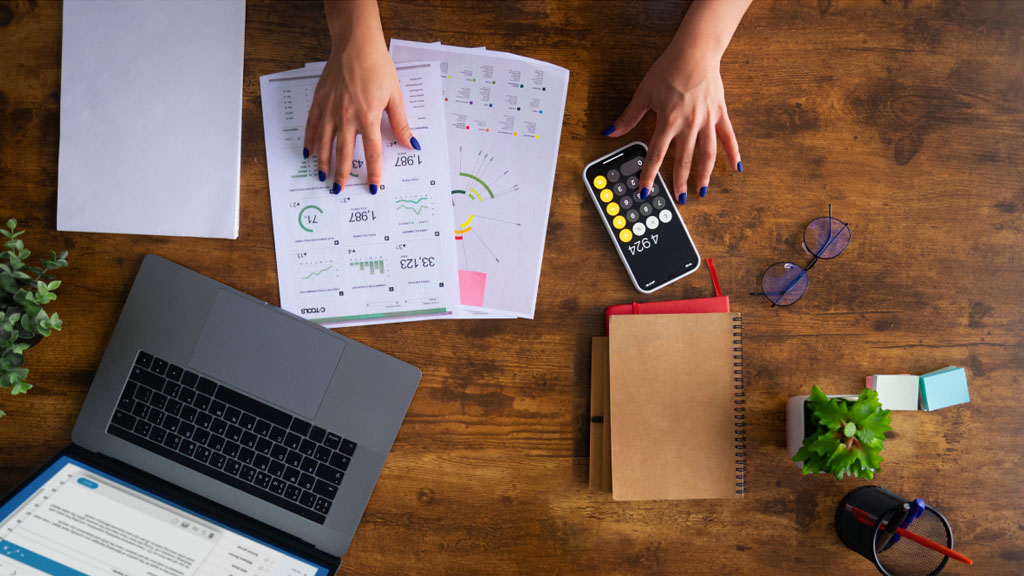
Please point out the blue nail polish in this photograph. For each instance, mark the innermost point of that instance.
(682, 198)
(608, 130)
(336, 189)
(644, 193)
(703, 191)
(373, 188)
(739, 166)
(415, 143)
(323, 176)
(305, 152)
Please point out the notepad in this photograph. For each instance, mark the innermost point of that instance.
(943, 388)
(896, 391)
(676, 406)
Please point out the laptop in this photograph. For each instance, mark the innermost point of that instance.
(221, 435)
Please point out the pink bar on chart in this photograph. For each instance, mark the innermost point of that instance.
(471, 287)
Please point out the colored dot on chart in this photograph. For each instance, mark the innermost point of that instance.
(543, 89)
(515, 133)
(490, 105)
(518, 108)
(471, 102)
(445, 99)
(537, 137)
(474, 79)
(467, 127)
(449, 76)
(520, 85)
(487, 129)
(540, 111)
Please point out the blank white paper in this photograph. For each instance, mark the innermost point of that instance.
(151, 117)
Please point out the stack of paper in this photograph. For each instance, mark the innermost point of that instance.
(931, 391)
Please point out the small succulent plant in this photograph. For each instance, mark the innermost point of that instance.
(848, 437)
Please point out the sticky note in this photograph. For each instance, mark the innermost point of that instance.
(942, 388)
(897, 391)
(471, 287)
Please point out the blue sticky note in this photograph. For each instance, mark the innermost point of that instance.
(942, 388)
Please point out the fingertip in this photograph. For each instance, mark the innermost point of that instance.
(336, 189)
(681, 199)
(415, 143)
(305, 153)
(373, 188)
(644, 193)
(608, 130)
(703, 191)
(739, 167)
(323, 176)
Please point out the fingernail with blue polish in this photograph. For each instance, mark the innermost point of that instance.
(682, 198)
(644, 193)
(608, 130)
(305, 152)
(415, 143)
(323, 176)
(373, 188)
(703, 191)
(739, 166)
(336, 189)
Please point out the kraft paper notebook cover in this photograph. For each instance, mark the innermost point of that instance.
(676, 398)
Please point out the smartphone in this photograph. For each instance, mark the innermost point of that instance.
(649, 234)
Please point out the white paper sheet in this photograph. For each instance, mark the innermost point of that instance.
(151, 117)
(504, 121)
(355, 258)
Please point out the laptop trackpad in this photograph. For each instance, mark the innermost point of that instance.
(267, 354)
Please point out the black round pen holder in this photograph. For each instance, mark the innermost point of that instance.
(875, 540)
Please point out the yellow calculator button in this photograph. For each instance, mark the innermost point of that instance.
(612, 209)
(600, 182)
(619, 222)
(625, 235)
(606, 195)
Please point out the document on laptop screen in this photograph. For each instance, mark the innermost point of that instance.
(73, 520)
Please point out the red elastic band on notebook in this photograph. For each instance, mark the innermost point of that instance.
(636, 307)
(714, 277)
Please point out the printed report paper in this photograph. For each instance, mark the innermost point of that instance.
(356, 258)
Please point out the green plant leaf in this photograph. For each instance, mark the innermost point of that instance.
(824, 444)
(21, 388)
(12, 224)
(850, 429)
(53, 285)
(55, 322)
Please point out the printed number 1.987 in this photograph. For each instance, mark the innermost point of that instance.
(408, 160)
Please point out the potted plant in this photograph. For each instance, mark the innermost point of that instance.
(24, 290)
(841, 435)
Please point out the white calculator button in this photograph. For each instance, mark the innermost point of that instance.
(652, 223)
(666, 216)
(639, 229)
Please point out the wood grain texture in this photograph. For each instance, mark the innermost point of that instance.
(908, 116)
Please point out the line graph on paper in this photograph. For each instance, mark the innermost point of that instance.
(415, 205)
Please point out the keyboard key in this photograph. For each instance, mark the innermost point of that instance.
(231, 449)
(246, 455)
(142, 428)
(233, 415)
(329, 473)
(142, 394)
(325, 489)
(187, 395)
(172, 389)
(292, 493)
(292, 475)
(248, 473)
(308, 499)
(263, 446)
(308, 465)
(141, 410)
(263, 479)
(249, 439)
(201, 436)
(293, 458)
(157, 435)
(307, 447)
(216, 443)
(218, 426)
(147, 378)
(233, 466)
(186, 430)
(248, 422)
(174, 407)
(203, 453)
(189, 379)
(278, 452)
(317, 434)
(158, 401)
(261, 462)
(203, 420)
(323, 453)
(348, 447)
(159, 366)
(276, 468)
(277, 486)
(173, 441)
(202, 402)
(217, 408)
(277, 434)
(218, 460)
(253, 406)
(155, 417)
(262, 428)
(171, 423)
(306, 482)
(187, 447)
(301, 427)
(125, 402)
(234, 433)
(293, 440)
(340, 461)
(332, 441)
(174, 372)
(143, 359)
(188, 414)
(206, 386)
(322, 505)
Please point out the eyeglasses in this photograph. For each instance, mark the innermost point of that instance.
(825, 238)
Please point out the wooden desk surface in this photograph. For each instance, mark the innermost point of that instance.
(907, 117)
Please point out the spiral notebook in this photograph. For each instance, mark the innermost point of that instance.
(676, 398)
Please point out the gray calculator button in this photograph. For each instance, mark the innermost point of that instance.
(626, 202)
(655, 189)
(632, 216)
(646, 209)
(632, 182)
(619, 189)
(659, 203)
(632, 166)
(613, 175)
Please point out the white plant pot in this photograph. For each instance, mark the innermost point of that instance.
(796, 422)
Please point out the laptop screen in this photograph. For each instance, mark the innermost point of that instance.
(73, 520)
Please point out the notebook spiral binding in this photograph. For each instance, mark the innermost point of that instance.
(740, 409)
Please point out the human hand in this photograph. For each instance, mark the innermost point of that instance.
(685, 91)
(358, 84)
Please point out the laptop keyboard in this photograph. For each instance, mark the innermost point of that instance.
(231, 437)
